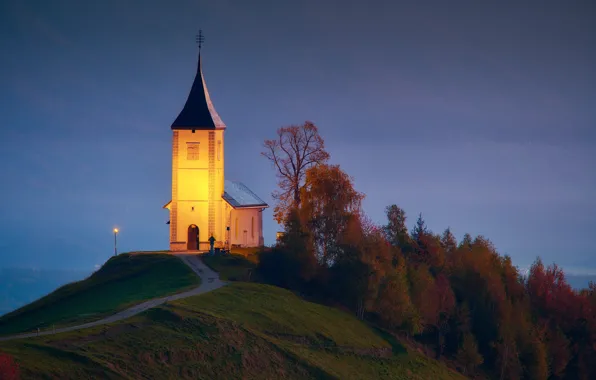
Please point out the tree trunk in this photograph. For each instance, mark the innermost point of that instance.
(296, 194)
(360, 309)
(504, 363)
(439, 343)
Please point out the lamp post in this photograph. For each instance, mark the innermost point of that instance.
(115, 241)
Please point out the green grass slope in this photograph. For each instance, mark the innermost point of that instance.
(231, 267)
(122, 281)
(242, 330)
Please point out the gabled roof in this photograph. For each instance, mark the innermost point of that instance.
(240, 196)
(198, 111)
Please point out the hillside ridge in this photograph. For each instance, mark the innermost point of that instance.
(210, 281)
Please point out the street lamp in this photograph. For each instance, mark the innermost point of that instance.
(115, 241)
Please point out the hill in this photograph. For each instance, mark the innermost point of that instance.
(124, 280)
(242, 330)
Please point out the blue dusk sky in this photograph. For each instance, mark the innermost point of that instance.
(481, 116)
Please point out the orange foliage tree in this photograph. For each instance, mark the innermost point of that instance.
(329, 203)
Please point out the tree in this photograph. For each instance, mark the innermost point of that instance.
(373, 258)
(534, 356)
(395, 230)
(420, 229)
(468, 355)
(430, 251)
(393, 305)
(448, 241)
(296, 149)
(292, 263)
(423, 294)
(466, 241)
(329, 202)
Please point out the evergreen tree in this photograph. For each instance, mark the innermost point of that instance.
(466, 241)
(448, 241)
(419, 230)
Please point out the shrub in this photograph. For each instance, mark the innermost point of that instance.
(9, 369)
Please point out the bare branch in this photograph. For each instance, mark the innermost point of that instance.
(296, 149)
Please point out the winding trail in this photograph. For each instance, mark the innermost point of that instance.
(209, 281)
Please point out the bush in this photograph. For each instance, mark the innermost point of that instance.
(9, 369)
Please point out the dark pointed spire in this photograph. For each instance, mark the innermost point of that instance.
(198, 111)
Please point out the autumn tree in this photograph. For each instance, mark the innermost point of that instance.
(393, 304)
(296, 149)
(356, 273)
(329, 201)
(468, 355)
(395, 230)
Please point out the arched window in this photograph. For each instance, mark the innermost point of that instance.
(252, 227)
(236, 229)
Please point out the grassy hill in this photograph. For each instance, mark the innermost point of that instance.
(123, 281)
(242, 330)
(231, 267)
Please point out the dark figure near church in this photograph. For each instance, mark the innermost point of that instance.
(211, 242)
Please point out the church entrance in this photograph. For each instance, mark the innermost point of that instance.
(193, 238)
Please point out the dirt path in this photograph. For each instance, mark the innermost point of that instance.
(209, 281)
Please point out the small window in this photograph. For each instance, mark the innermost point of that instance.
(192, 151)
(218, 150)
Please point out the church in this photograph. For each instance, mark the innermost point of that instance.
(204, 203)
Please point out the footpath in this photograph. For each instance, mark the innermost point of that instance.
(209, 281)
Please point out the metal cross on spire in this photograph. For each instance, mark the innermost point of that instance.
(200, 38)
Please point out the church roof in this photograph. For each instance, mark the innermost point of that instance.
(238, 195)
(198, 111)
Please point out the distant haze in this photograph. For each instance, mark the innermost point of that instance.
(19, 287)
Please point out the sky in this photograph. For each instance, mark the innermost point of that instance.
(480, 116)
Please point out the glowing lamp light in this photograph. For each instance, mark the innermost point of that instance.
(115, 241)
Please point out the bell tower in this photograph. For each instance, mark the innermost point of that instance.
(196, 208)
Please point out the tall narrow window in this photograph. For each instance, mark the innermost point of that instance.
(252, 227)
(218, 150)
(192, 151)
(236, 229)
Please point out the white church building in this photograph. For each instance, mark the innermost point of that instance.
(204, 203)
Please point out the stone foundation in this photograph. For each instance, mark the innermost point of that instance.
(177, 246)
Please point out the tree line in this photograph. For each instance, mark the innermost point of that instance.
(463, 301)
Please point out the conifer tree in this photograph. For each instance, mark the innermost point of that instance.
(419, 229)
(448, 241)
